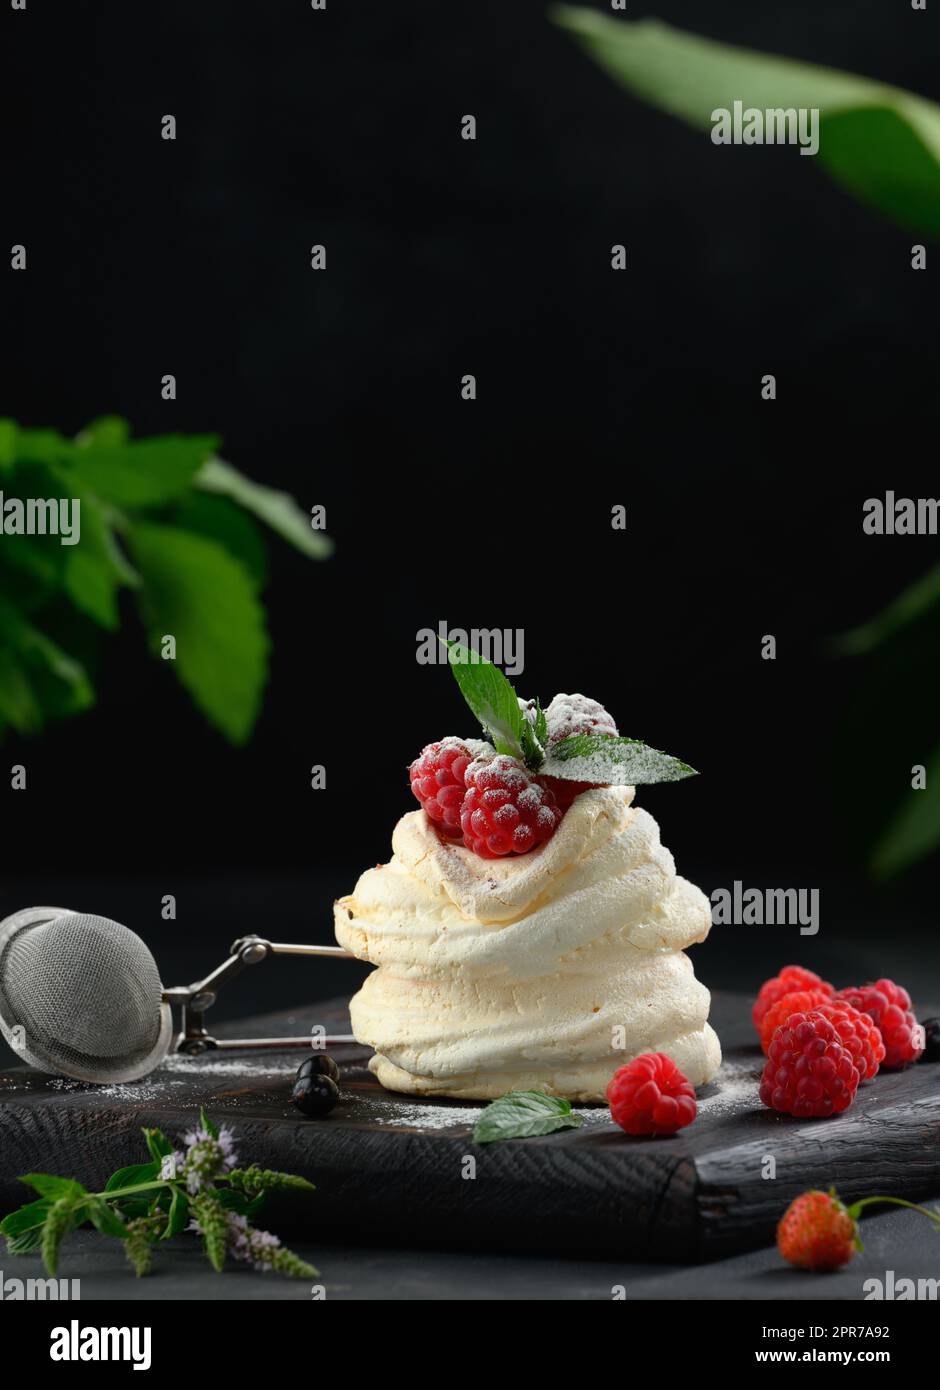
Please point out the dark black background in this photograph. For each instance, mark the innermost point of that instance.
(595, 388)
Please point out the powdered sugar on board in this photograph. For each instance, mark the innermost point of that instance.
(734, 1090)
(403, 1114)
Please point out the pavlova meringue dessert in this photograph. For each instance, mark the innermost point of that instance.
(529, 930)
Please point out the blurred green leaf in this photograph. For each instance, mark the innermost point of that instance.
(880, 143)
(145, 473)
(41, 446)
(105, 432)
(38, 557)
(8, 433)
(910, 605)
(206, 563)
(38, 679)
(277, 509)
(96, 568)
(914, 831)
(18, 703)
(222, 521)
(195, 590)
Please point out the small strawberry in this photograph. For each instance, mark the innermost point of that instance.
(817, 1231)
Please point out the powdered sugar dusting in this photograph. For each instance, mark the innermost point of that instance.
(404, 1114)
(571, 714)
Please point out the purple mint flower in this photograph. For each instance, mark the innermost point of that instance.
(207, 1157)
(251, 1245)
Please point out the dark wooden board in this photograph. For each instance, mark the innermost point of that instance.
(390, 1169)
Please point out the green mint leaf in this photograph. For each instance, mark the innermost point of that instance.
(276, 509)
(221, 520)
(533, 751)
(179, 1214)
(8, 433)
(19, 705)
(522, 1114)
(49, 677)
(28, 1218)
(158, 1144)
(612, 762)
(234, 1200)
(133, 1174)
(27, 1242)
(144, 473)
(208, 1125)
(541, 725)
(196, 591)
(42, 446)
(95, 568)
(880, 142)
(54, 1188)
(107, 432)
(492, 699)
(914, 828)
(105, 1219)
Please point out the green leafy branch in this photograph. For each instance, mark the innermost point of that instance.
(163, 518)
(147, 1203)
(880, 143)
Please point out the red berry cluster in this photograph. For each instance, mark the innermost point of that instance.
(808, 1071)
(492, 801)
(889, 1007)
(788, 980)
(820, 1044)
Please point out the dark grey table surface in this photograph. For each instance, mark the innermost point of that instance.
(899, 1241)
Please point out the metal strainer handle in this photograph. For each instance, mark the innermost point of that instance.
(195, 999)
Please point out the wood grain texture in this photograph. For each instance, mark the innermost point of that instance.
(383, 1178)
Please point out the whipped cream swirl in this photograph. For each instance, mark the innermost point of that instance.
(544, 971)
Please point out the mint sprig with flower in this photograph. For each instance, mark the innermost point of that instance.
(523, 730)
(198, 1188)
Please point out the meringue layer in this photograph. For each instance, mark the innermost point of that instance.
(545, 971)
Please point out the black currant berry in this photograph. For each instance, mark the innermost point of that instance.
(314, 1095)
(932, 1040)
(319, 1064)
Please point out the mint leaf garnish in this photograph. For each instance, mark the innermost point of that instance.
(494, 703)
(523, 1114)
(612, 761)
(541, 725)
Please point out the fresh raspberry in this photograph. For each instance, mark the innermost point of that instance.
(797, 1001)
(889, 1008)
(858, 1033)
(437, 780)
(505, 811)
(790, 978)
(651, 1096)
(564, 791)
(568, 715)
(816, 1232)
(808, 1071)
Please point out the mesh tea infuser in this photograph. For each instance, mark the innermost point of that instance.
(80, 996)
